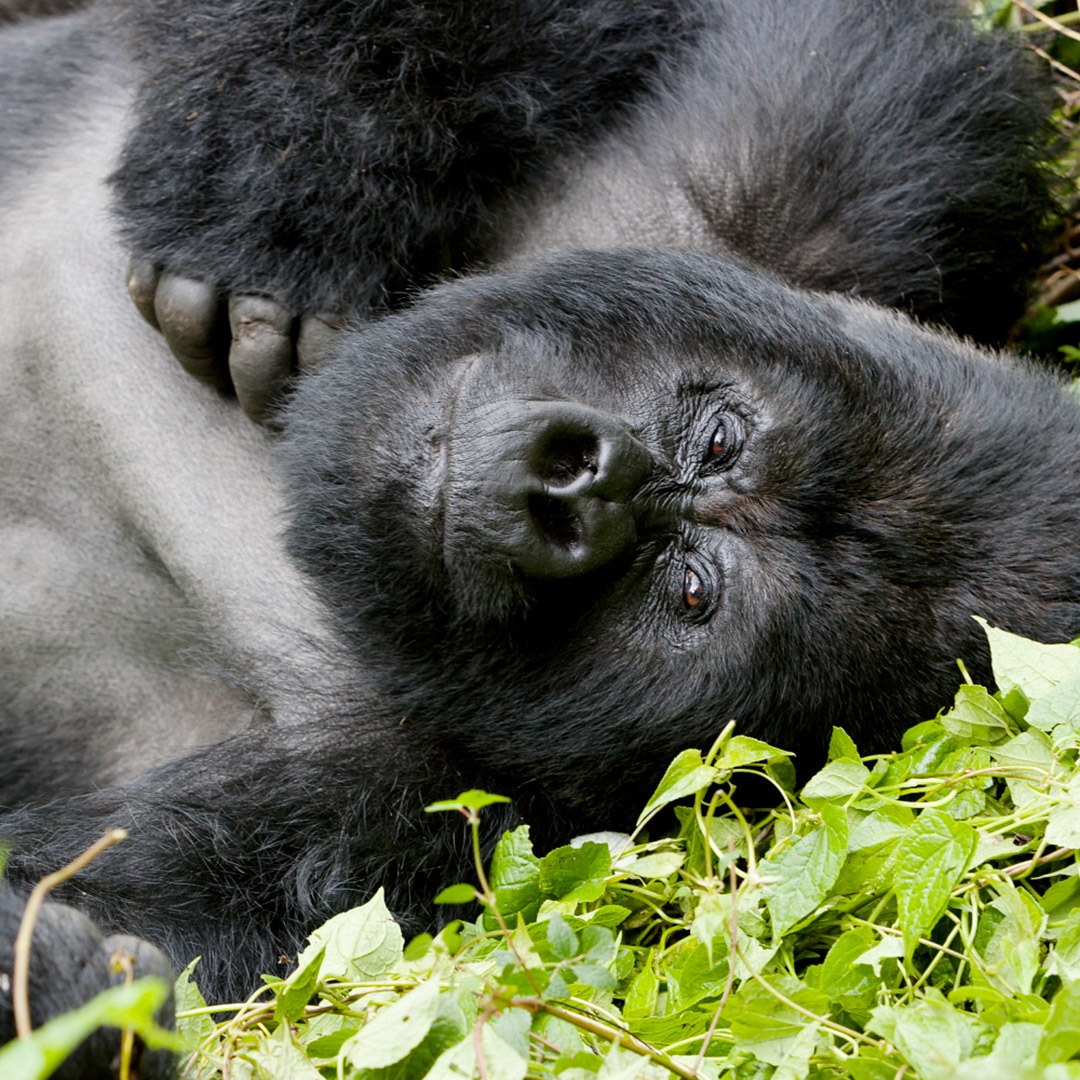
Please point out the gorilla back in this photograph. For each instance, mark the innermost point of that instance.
(564, 519)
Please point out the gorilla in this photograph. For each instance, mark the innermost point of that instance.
(663, 458)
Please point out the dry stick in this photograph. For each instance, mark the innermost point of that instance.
(121, 961)
(21, 972)
(1046, 20)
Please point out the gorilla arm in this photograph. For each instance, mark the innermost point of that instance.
(307, 158)
(237, 852)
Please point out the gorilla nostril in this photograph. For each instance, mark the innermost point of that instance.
(555, 519)
(564, 458)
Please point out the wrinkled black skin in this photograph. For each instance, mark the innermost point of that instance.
(891, 482)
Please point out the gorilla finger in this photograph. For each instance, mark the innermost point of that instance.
(189, 314)
(142, 284)
(317, 334)
(262, 356)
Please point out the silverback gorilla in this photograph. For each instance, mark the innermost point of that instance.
(672, 462)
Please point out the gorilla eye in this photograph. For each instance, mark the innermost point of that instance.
(693, 589)
(725, 444)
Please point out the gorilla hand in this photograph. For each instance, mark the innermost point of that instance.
(250, 344)
(70, 962)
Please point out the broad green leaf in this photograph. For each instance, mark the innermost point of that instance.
(576, 873)
(888, 948)
(661, 864)
(793, 1062)
(837, 782)
(132, 1005)
(562, 940)
(686, 775)
(976, 716)
(1011, 954)
(743, 750)
(1061, 1037)
(188, 997)
(842, 746)
(515, 874)
(395, 1029)
(279, 1058)
(296, 991)
(931, 1036)
(806, 871)
(1034, 668)
(766, 1026)
(1059, 705)
(501, 1061)
(693, 973)
(844, 975)
(364, 942)
(595, 975)
(924, 868)
(642, 993)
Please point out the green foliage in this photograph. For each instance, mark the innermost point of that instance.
(912, 914)
(131, 1006)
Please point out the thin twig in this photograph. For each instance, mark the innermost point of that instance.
(1054, 24)
(21, 971)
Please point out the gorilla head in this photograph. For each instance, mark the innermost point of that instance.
(579, 515)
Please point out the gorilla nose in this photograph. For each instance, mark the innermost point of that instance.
(560, 477)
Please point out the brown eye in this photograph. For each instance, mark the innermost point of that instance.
(693, 589)
(725, 445)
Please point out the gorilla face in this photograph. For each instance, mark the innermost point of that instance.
(581, 515)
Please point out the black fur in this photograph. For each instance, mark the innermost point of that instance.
(878, 483)
(337, 155)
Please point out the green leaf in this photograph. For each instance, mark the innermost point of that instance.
(1061, 1037)
(501, 1061)
(279, 1058)
(742, 751)
(188, 998)
(806, 871)
(1034, 668)
(1059, 705)
(1011, 953)
(395, 1029)
(660, 864)
(686, 775)
(473, 799)
(576, 873)
(766, 1026)
(132, 1005)
(837, 782)
(641, 996)
(976, 716)
(294, 994)
(515, 875)
(844, 975)
(924, 868)
(457, 894)
(362, 943)
(931, 1036)
(561, 939)
(842, 746)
